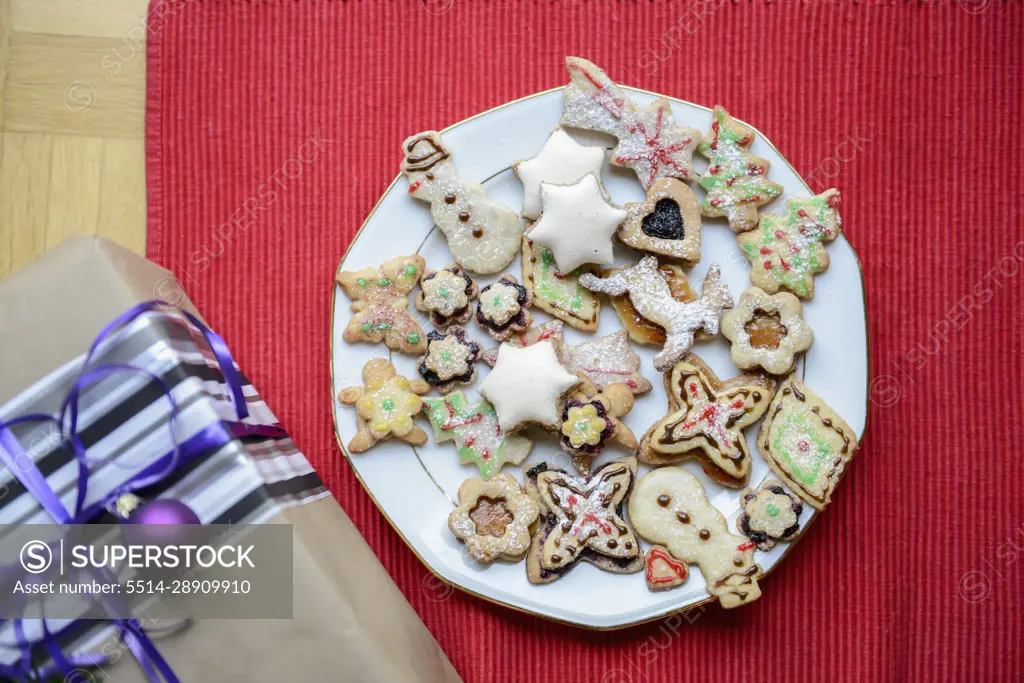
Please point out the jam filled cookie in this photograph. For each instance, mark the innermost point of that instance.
(653, 300)
(483, 235)
(766, 331)
(446, 295)
(502, 310)
(736, 181)
(669, 507)
(385, 406)
(450, 359)
(667, 223)
(705, 420)
(650, 142)
(493, 518)
(476, 433)
(785, 252)
(770, 514)
(581, 519)
(380, 303)
(806, 443)
(590, 420)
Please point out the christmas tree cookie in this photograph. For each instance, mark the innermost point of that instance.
(557, 293)
(736, 181)
(786, 251)
(475, 431)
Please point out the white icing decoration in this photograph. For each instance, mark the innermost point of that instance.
(577, 224)
(526, 385)
(562, 161)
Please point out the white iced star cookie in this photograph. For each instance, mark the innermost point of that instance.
(562, 161)
(526, 385)
(577, 224)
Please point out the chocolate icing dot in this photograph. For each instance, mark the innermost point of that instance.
(704, 534)
(664, 500)
(683, 517)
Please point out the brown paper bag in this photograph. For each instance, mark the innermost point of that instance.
(350, 622)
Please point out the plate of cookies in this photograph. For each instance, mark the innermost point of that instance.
(600, 355)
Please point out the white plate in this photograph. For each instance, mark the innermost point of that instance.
(415, 490)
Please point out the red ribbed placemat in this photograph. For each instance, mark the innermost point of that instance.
(273, 127)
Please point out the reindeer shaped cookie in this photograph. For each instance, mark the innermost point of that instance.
(669, 507)
(483, 235)
(653, 300)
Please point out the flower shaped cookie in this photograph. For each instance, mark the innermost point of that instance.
(493, 518)
(766, 330)
(590, 420)
(502, 308)
(446, 295)
(769, 514)
(450, 359)
(385, 406)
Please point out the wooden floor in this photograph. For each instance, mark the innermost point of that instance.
(72, 74)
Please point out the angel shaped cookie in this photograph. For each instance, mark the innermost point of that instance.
(705, 420)
(483, 235)
(380, 304)
(385, 406)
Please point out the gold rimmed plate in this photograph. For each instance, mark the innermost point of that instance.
(415, 488)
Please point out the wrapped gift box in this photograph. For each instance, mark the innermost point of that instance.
(350, 621)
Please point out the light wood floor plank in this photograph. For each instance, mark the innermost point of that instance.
(24, 193)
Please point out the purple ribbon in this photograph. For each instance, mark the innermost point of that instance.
(25, 469)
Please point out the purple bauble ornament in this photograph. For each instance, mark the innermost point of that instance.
(163, 511)
(161, 522)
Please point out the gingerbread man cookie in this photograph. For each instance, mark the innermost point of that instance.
(806, 443)
(766, 331)
(649, 140)
(385, 406)
(787, 251)
(590, 420)
(736, 182)
(669, 507)
(770, 514)
(653, 300)
(493, 518)
(667, 223)
(557, 293)
(450, 359)
(483, 235)
(446, 295)
(380, 303)
(581, 520)
(477, 435)
(706, 419)
(503, 308)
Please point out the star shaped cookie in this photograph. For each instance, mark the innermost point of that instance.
(577, 224)
(526, 385)
(561, 161)
(706, 419)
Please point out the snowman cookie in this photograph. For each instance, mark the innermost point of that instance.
(669, 508)
(483, 235)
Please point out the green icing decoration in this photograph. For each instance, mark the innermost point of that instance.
(738, 179)
(772, 509)
(412, 338)
(409, 271)
(566, 292)
(474, 429)
(362, 282)
(387, 404)
(366, 327)
(805, 468)
(383, 282)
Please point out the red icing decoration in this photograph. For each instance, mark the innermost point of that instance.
(748, 545)
(415, 186)
(675, 565)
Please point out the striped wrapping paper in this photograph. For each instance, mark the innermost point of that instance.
(274, 125)
(124, 426)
